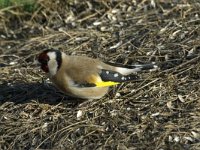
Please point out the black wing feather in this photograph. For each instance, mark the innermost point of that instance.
(108, 75)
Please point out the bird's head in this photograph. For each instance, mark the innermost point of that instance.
(50, 61)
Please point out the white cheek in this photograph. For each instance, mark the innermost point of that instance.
(52, 63)
(53, 67)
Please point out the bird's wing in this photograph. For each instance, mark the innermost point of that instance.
(116, 77)
(105, 78)
(93, 73)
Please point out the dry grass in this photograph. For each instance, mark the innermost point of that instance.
(160, 112)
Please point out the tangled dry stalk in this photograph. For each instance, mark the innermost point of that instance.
(162, 111)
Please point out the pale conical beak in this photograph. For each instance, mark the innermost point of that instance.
(36, 63)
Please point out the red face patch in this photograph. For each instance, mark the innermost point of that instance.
(43, 58)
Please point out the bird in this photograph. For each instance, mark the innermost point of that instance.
(84, 77)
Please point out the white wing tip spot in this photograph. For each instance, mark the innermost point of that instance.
(116, 75)
(155, 66)
(107, 72)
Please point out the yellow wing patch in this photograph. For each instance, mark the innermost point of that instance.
(99, 83)
(108, 83)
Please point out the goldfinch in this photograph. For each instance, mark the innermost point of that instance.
(84, 77)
